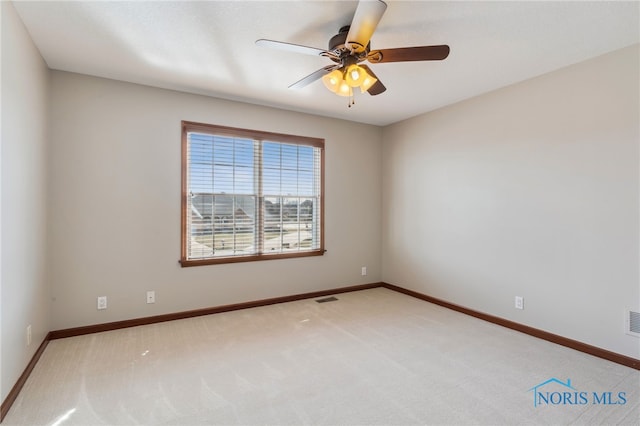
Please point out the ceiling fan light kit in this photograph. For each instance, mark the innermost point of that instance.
(350, 47)
(353, 76)
(342, 82)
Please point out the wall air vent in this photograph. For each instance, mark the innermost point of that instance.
(632, 323)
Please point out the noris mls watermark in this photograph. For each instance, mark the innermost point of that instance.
(557, 392)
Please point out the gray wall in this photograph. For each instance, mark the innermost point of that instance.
(531, 190)
(115, 203)
(24, 288)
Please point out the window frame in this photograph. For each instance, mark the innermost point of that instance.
(185, 235)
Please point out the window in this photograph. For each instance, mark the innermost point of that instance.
(249, 195)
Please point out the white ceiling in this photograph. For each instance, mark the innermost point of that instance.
(208, 47)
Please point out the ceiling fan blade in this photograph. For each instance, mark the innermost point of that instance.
(378, 87)
(364, 23)
(313, 77)
(295, 48)
(404, 54)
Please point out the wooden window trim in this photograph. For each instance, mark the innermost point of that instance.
(190, 126)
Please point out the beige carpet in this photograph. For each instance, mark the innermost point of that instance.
(371, 357)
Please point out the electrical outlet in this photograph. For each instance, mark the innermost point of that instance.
(151, 297)
(102, 302)
(364, 271)
(29, 335)
(519, 302)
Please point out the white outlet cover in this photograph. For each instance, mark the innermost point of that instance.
(519, 302)
(102, 302)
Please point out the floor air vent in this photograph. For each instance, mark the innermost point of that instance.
(633, 323)
(327, 299)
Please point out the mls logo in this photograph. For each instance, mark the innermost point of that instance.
(557, 392)
(565, 393)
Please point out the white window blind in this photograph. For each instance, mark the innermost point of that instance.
(248, 195)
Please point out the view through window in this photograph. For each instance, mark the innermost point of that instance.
(249, 195)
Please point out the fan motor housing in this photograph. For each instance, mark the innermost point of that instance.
(337, 44)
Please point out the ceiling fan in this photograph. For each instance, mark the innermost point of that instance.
(350, 47)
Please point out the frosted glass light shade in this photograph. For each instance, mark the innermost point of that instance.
(344, 89)
(333, 80)
(367, 82)
(355, 75)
